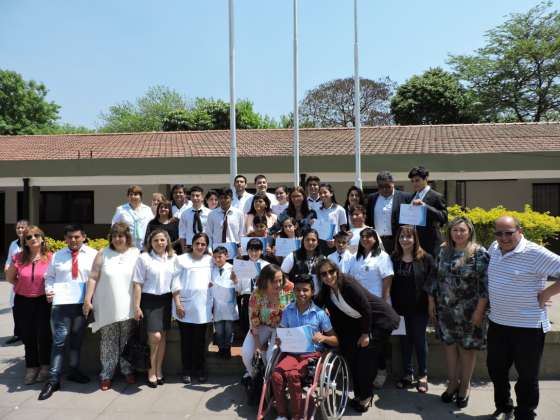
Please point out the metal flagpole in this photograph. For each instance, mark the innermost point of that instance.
(357, 114)
(232, 127)
(296, 105)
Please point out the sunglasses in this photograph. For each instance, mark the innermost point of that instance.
(328, 272)
(504, 233)
(35, 235)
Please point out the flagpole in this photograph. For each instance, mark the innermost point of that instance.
(357, 114)
(232, 125)
(296, 105)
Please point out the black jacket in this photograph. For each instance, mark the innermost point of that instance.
(400, 197)
(407, 298)
(436, 218)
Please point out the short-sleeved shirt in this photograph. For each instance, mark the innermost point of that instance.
(514, 281)
(371, 271)
(264, 312)
(30, 278)
(154, 273)
(314, 317)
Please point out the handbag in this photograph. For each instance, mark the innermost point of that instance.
(137, 351)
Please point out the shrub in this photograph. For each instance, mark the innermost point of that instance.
(537, 227)
(56, 245)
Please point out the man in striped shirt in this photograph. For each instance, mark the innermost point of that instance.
(517, 277)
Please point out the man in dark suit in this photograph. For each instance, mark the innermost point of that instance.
(436, 210)
(383, 209)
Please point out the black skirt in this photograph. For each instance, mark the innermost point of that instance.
(157, 311)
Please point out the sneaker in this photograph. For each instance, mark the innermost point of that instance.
(43, 373)
(30, 376)
(380, 379)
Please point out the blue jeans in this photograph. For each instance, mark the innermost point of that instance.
(415, 338)
(67, 324)
(224, 330)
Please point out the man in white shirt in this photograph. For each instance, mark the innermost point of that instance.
(69, 266)
(342, 256)
(261, 185)
(312, 184)
(180, 200)
(241, 196)
(518, 297)
(225, 223)
(193, 220)
(135, 214)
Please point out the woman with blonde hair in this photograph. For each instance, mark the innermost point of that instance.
(110, 295)
(457, 303)
(33, 312)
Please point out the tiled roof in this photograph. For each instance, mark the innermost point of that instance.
(439, 139)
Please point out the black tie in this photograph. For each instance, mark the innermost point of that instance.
(224, 228)
(339, 257)
(221, 270)
(197, 225)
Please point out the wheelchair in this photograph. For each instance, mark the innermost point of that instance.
(326, 386)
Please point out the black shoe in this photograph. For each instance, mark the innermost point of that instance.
(446, 397)
(152, 384)
(462, 402)
(202, 377)
(360, 407)
(48, 389)
(78, 377)
(227, 354)
(187, 379)
(12, 340)
(507, 414)
(160, 381)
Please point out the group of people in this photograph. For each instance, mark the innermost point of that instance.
(351, 272)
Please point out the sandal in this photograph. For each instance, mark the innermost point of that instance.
(405, 382)
(422, 386)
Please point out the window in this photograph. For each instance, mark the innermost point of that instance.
(66, 207)
(546, 197)
(461, 193)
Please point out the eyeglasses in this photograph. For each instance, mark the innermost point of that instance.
(35, 235)
(328, 272)
(506, 233)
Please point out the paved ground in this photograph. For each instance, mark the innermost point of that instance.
(221, 398)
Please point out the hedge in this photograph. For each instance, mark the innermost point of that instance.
(55, 245)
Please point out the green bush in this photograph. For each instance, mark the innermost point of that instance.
(55, 245)
(537, 227)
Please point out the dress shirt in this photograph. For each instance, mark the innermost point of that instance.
(314, 317)
(12, 250)
(382, 214)
(60, 267)
(278, 208)
(186, 223)
(239, 203)
(422, 193)
(514, 281)
(371, 271)
(314, 203)
(154, 273)
(215, 222)
(249, 202)
(335, 214)
(178, 212)
(342, 260)
(137, 220)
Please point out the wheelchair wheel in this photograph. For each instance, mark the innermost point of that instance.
(334, 386)
(266, 397)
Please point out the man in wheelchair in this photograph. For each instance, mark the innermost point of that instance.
(293, 366)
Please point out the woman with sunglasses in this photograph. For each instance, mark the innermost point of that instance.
(457, 303)
(363, 322)
(33, 312)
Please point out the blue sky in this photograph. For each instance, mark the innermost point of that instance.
(93, 54)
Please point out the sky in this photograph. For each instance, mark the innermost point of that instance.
(92, 54)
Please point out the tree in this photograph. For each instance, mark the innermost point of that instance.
(65, 128)
(331, 104)
(146, 114)
(23, 107)
(434, 97)
(516, 75)
(212, 114)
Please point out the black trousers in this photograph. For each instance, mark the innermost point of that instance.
(243, 308)
(363, 361)
(33, 317)
(193, 347)
(523, 348)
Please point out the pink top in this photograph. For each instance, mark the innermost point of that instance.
(30, 278)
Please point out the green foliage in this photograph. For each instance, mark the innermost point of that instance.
(434, 97)
(65, 129)
(23, 107)
(537, 227)
(516, 75)
(56, 245)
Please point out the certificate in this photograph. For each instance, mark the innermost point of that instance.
(244, 269)
(325, 229)
(401, 330)
(296, 340)
(413, 215)
(231, 248)
(69, 293)
(246, 239)
(285, 246)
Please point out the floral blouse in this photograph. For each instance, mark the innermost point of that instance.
(264, 312)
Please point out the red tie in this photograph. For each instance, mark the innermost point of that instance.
(75, 264)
